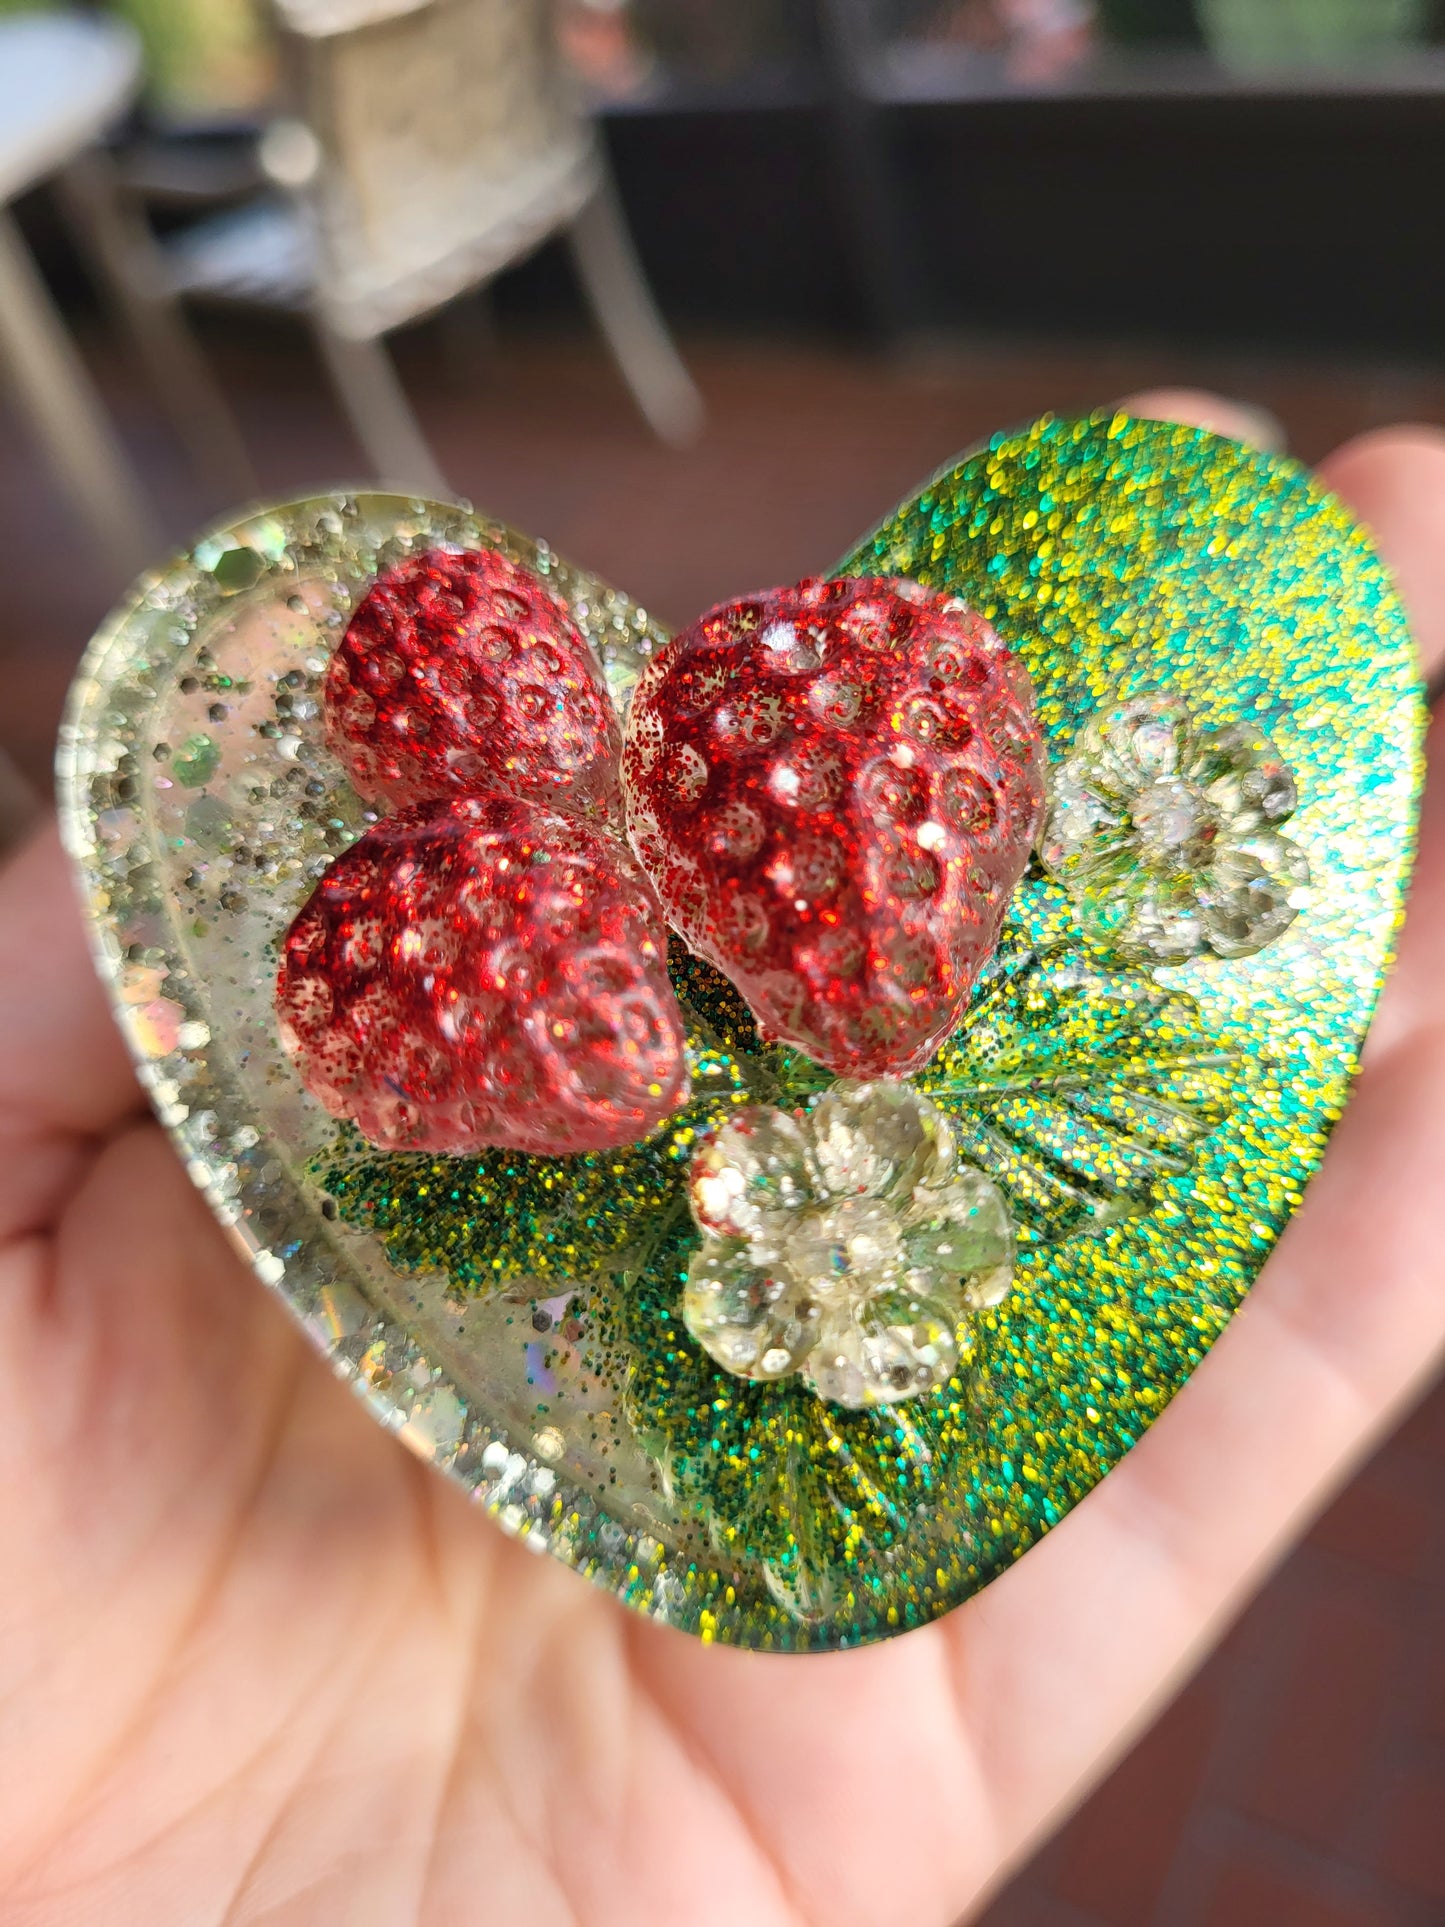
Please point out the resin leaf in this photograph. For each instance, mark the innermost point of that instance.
(505, 1221)
(1080, 1089)
(502, 1220)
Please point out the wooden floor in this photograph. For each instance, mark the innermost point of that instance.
(1299, 1781)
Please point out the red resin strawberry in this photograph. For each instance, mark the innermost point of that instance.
(834, 789)
(484, 971)
(464, 672)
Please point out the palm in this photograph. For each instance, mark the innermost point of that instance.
(256, 1662)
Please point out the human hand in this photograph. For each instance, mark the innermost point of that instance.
(258, 1663)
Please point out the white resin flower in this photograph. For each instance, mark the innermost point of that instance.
(848, 1244)
(1166, 835)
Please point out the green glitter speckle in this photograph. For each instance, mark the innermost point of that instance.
(196, 762)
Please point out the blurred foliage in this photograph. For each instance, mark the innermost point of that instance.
(205, 59)
(1261, 33)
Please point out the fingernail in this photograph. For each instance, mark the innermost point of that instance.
(1259, 427)
(1241, 421)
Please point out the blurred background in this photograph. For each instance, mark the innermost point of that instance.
(696, 289)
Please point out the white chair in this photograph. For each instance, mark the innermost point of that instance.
(64, 80)
(437, 142)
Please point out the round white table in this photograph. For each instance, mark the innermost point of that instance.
(65, 79)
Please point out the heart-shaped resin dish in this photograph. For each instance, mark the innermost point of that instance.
(821, 1354)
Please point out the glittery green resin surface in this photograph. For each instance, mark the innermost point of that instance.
(1120, 557)
(519, 1319)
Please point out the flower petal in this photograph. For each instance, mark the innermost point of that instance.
(753, 1171)
(962, 1230)
(750, 1318)
(904, 1344)
(878, 1140)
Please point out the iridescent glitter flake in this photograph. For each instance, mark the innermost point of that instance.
(1167, 836)
(1150, 1136)
(848, 1244)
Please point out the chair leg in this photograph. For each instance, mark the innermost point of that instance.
(617, 289)
(132, 274)
(56, 392)
(375, 404)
